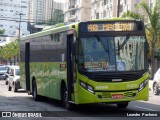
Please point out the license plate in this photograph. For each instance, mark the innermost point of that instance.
(117, 96)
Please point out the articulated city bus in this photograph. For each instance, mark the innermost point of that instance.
(100, 61)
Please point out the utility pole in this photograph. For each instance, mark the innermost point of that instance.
(52, 12)
(20, 14)
(118, 8)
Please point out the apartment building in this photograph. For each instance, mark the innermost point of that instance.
(14, 17)
(42, 10)
(109, 8)
(4, 40)
(103, 9)
(50, 7)
(77, 10)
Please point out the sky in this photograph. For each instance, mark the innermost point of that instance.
(59, 0)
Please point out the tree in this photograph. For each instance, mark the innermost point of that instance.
(2, 32)
(10, 51)
(132, 14)
(153, 27)
(58, 17)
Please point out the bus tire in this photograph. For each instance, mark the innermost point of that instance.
(155, 89)
(36, 97)
(66, 103)
(122, 105)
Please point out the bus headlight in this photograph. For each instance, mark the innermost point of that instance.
(143, 85)
(86, 86)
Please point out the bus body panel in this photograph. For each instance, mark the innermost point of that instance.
(49, 78)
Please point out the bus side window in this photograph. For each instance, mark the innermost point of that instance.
(51, 37)
(56, 38)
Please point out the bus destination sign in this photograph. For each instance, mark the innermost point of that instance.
(116, 26)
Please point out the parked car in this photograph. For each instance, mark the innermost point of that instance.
(156, 83)
(14, 78)
(3, 70)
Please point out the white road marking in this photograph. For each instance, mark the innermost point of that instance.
(145, 108)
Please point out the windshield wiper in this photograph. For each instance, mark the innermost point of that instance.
(99, 40)
(125, 41)
(97, 37)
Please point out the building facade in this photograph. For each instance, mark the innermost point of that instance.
(40, 11)
(103, 9)
(4, 40)
(109, 8)
(83, 10)
(77, 10)
(13, 17)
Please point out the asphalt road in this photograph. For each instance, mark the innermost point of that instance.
(22, 103)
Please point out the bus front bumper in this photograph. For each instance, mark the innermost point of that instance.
(82, 96)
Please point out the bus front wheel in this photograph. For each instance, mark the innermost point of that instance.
(66, 103)
(34, 91)
(122, 105)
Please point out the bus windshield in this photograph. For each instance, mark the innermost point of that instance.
(118, 53)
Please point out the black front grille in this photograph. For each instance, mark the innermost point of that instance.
(114, 76)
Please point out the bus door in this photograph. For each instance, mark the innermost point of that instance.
(27, 68)
(70, 62)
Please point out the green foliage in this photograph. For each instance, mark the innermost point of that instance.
(58, 17)
(157, 53)
(131, 14)
(10, 51)
(2, 32)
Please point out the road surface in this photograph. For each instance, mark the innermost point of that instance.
(23, 103)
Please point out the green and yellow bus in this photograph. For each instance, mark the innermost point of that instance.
(98, 61)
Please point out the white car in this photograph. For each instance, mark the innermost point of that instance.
(14, 78)
(156, 83)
